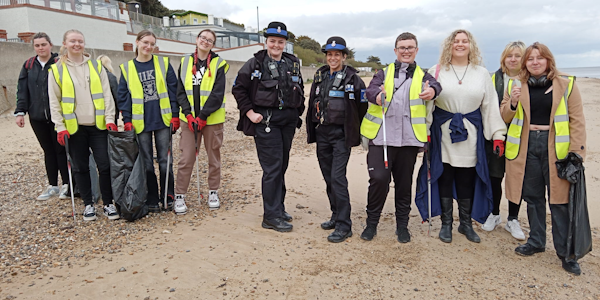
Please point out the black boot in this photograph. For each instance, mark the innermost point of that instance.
(446, 231)
(466, 225)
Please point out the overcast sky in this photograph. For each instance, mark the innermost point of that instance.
(571, 28)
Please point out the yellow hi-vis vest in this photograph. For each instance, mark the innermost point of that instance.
(418, 112)
(206, 87)
(67, 103)
(562, 139)
(137, 91)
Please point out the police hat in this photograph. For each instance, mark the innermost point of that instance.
(277, 29)
(335, 43)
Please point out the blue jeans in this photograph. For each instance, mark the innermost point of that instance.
(161, 138)
(536, 183)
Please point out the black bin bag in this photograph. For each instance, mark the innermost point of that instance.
(128, 176)
(579, 239)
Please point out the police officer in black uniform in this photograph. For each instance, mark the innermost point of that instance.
(336, 107)
(270, 95)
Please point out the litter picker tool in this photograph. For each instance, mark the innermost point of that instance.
(195, 126)
(70, 176)
(169, 163)
(385, 156)
(426, 157)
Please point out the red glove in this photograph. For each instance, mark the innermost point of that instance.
(175, 122)
(201, 123)
(61, 136)
(112, 127)
(499, 147)
(191, 122)
(429, 139)
(128, 126)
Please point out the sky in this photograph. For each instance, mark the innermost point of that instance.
(570, 28)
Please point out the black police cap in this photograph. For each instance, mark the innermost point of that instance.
(277, 29)
(335, 43)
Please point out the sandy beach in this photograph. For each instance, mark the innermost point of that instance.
(225, 254)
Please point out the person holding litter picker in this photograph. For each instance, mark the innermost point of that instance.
(201, 95)
(82, 109)
(396, 129)
(333, 122)
(147, 99)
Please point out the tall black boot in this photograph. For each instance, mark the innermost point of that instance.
(446, 231)
(466, 225)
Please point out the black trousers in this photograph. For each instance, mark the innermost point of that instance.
(401, 162)
(273, 149)
(461, 178)
(79, 147)
(55, 156)
(536, 183)
(513, 208)
(333, 158)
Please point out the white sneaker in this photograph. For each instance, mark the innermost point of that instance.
(64, 192)
(89, 214)
(491, 222)
(179, 207)
(110, 211)
(50, 191)
(515, 230)
(213, 200)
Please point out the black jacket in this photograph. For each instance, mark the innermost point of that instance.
(354, 111)
(214, 101)
(32, 90)
(499, 84)
(245, 89)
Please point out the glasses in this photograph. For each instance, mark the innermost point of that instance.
(405, 49)
(206, 40)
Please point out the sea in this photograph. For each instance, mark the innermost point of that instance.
(590, 72)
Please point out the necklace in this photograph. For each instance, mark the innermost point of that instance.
(463, 77)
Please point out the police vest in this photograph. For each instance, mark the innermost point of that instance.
(67, 102)
(562, 139)
(330, 106)
(418, 112)
(206, 86)
(137, 91)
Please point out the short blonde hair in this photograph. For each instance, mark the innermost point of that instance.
(507, 50)
(63, 50)
(545, 53)
(446, 55)
(106, 62)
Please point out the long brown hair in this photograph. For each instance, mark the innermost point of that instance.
(141, 35)
(196, 53)
(63, 50)
(545, 53)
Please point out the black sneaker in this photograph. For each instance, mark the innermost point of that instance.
(403, 235)
(528, 250)
(169, 203)
(369, 233)
(328, 225)
(571, 266)
(338, 236)
(89, 214)
(277, 224)
(110, 211)
(286, 217)
(154, 208)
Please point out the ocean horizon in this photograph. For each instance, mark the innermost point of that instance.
(590, 72)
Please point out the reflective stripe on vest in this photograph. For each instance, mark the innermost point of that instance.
(206, 86)
(67, 102)
(562, 139)
(371, 123)
(137, 91)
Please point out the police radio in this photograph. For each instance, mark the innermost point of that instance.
(273, 69)
(338, 79)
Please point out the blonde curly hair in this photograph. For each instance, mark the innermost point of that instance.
(446, 55)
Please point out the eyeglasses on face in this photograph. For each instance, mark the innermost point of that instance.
(202, 38)
(405, 49)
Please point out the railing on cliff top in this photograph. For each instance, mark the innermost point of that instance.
(102, 8)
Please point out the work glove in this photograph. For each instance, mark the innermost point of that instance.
(175, 122)
(61, 136)
(128, 126)
(499, 147)
(429, 139)
(112, 127)
(201, 123)
(191, 121)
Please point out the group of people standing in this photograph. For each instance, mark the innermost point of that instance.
(463, 118)
(71, 98)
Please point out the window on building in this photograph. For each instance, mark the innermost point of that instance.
(195, 21)
(184, 22)
(203, 21)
